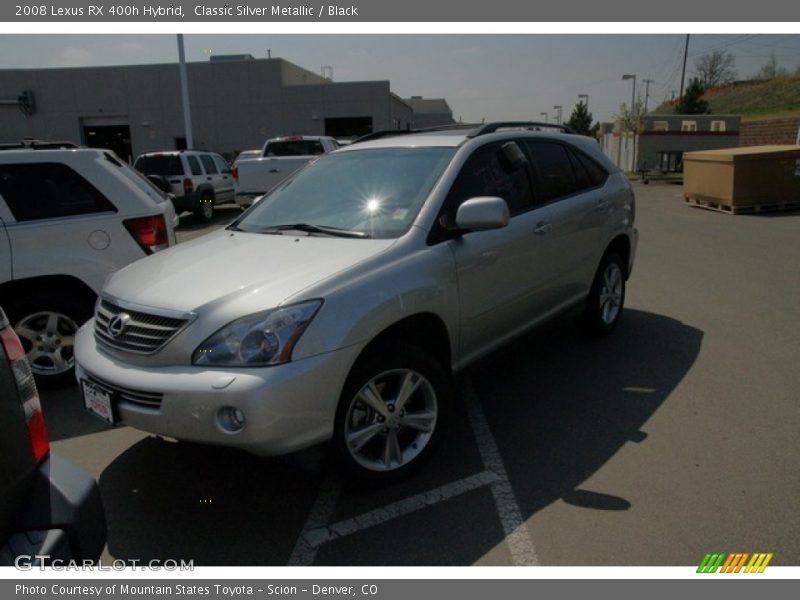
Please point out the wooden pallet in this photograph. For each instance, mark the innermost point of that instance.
(741, 210)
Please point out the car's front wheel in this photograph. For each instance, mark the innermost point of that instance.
(46, 327)
(391, 412)
(607, 295)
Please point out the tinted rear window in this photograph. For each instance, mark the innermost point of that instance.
(295, 148)
(159, 164)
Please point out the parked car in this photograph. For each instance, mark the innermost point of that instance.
(341, 304)
(68, 219)
(48, 506)
(198, 180)
(279, 158)
(246, 155)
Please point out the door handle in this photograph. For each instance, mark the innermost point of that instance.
(542, 228)
(209, 178)
(274, 170)
(602, 204)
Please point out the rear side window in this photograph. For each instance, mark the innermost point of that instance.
(294, 148)
(597, 174)
(194, 165)
(159, 164)
(554, 175)
(49, 191)
(222, 166)
(208, 164)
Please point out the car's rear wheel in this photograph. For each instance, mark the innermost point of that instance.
(607, 296)
(47, 328)
(205, 209)
(391, 412)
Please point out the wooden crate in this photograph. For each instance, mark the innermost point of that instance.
(743, 180)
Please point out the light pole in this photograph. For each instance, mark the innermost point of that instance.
(187, 117)
(631, 113)
(558, 118)
(544, 114)
(647, 83)
(584, 97)
(633, 89)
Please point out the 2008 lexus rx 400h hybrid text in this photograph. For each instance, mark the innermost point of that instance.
(339, 306)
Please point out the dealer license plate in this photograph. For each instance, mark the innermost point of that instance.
(98, 401)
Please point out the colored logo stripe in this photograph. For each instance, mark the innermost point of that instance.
(734, 562)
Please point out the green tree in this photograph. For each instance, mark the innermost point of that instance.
(581, 120)
(631, 119)
(692, 102)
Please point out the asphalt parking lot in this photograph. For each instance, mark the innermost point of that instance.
(674, 437)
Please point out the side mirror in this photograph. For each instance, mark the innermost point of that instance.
(482, 213)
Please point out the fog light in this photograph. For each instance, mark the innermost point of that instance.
(231, 419)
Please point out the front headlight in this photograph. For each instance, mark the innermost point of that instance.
(265, 338)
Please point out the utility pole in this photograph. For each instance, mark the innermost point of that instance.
(187, 117)
(544, 114)
(647, 83)
(558, 119)
(683, 73)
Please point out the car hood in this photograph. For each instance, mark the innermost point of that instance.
(223, 265)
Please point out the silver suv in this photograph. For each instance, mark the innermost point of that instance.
(340, 305)
(197, 179)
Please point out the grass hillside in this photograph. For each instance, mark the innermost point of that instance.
(753, 100)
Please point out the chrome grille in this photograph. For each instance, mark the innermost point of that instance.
(143, 333)
(148, 399)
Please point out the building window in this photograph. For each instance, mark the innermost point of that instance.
(670, 162)
(688, 125)
(717, 125)
(660, 126)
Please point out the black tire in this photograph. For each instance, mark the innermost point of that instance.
(46, 325)
(388, 367)
(205, 209)
(604, 305)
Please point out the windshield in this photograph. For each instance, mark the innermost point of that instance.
(374, 192)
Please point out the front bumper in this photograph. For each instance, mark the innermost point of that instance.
(286, 407)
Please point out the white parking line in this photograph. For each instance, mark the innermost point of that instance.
(317, 530)
(316, 537)
(518, 538)
(304, 553)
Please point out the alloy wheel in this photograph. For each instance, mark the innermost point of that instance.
(391, 420)
(611, 293)
(48, 338)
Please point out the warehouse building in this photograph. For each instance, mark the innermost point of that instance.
(236, 104)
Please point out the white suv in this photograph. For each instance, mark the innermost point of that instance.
(198, 180)
(68, 219)
(341, 304)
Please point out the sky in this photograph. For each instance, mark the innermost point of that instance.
(492, 77)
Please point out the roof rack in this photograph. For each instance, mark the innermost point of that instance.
(478, 129)
(530, 125)
(38, 145)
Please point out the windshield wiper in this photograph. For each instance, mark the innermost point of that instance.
(309, 228)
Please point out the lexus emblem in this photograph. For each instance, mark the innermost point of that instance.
(118, 324)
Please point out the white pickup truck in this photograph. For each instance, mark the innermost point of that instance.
(280, 157)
